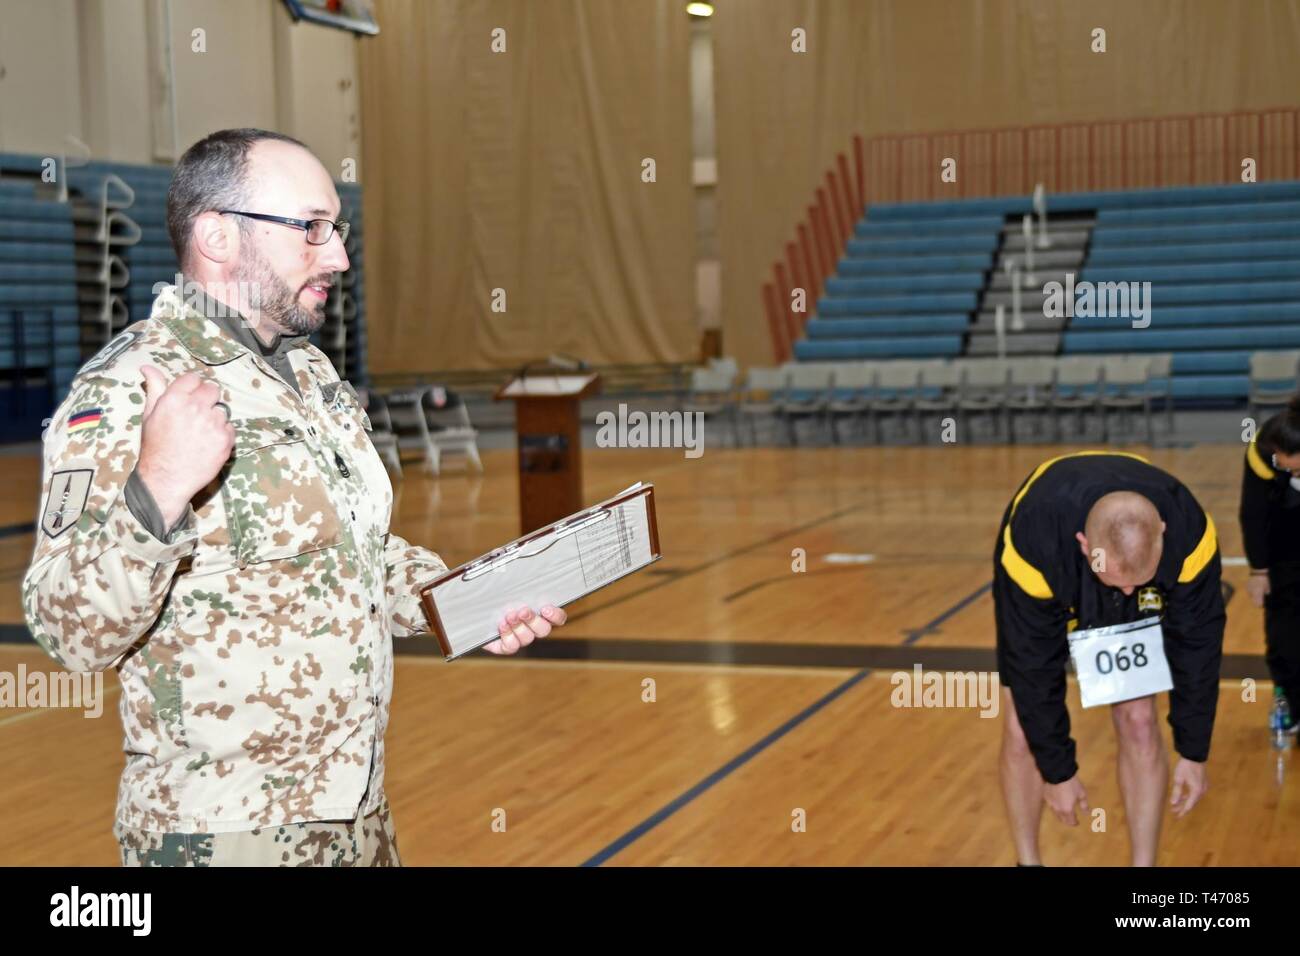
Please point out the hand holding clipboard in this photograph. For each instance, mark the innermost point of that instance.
(546, 569)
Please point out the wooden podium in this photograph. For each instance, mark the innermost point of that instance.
(548, 424)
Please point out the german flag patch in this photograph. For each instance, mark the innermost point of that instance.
(84, 420)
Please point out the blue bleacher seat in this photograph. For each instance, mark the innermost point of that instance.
(1223, 263)
(1175, 340)
(1206, 232)
(1223, 212)
(841, 328)
(1196, 293)
(1179, 316)
(1228, 271)
(1184, 252)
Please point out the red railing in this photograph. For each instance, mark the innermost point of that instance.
(1201, 149)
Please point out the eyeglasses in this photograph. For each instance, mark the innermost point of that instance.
(319, 231)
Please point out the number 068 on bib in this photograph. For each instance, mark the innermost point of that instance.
(1121, 662)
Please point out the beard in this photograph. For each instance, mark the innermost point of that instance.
(271, 296)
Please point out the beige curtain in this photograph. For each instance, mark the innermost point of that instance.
(522, 171)
(887, 66)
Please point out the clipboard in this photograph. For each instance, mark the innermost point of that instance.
(555, 565)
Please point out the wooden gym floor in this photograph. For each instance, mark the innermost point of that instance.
(772, 687)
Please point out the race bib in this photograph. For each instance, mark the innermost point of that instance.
(1121, 662)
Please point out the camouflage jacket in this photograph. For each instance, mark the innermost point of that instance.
(254, 643)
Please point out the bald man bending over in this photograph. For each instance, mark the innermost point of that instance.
(1091, 541)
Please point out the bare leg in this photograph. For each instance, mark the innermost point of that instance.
(1022, 784)
(1143, 774)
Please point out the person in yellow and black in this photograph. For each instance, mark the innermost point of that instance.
(1105, 559)
(1270, 528)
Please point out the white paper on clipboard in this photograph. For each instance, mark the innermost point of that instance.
(555, 565)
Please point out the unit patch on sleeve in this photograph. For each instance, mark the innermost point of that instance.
(109, 352)
(65, 499)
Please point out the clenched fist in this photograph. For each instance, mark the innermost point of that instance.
(185, 439)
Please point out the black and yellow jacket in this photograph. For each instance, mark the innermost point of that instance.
(1270, 506)
(1044, 587)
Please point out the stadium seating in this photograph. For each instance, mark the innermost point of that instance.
(925, 280)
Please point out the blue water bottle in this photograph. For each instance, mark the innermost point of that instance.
(1280, 720)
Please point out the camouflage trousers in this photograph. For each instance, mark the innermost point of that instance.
(367, 841)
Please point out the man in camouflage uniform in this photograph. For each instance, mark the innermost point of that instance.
(214, 526)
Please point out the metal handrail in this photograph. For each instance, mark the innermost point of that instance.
(116, 217)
